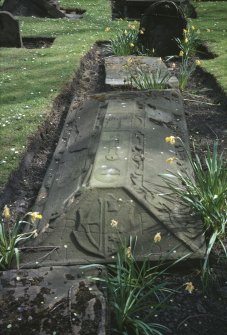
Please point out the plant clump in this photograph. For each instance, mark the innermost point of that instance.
(11, 235)
(188, 47)
(125, 42)
(205, 191)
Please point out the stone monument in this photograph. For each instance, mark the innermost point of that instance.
(10, 36)
(39, 8)
(162, 23)
(106, 169)
(135, 9)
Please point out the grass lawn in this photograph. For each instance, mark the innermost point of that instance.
(212, 23)
(31, 78)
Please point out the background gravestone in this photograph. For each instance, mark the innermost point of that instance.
(162, 23)
(39, 8)
(135, 9)
(9, 31)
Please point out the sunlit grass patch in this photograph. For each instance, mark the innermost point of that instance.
(211, 22)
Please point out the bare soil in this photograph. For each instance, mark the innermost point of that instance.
(203, 312)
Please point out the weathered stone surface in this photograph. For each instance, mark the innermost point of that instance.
(107, 166)
(118, 69)
(163, 22)
(39, 8)
(62, 292)
(10, 36)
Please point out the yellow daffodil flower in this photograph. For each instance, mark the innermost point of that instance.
(193, 28)
(6, 213)
(132, 45)
(132, 26)
(186, 40)
(141, 31)
(170, 160)
(129, 252)
(129, 60)
(181, 54)
(189, 287)
(114, 223)
(107, 29)
(198, 62)
(157, 237)
(35, 216)
(170, 139)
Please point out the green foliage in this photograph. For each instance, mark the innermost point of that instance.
(124, 42)
(185, 72)
(206, 193)
(10, 237)
(136, 291)
(143, 79)
(188, 45)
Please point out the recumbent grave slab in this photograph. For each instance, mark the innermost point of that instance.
(106, 167)
(119, 69)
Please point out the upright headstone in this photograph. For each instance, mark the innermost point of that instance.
(162, 23)
(39, 8)
(135, 9)
(10, 36)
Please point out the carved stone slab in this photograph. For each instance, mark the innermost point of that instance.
(71, 302)
(10, 36)
(106, 167)
(118, 69)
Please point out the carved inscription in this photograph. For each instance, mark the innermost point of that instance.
(109, 169)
